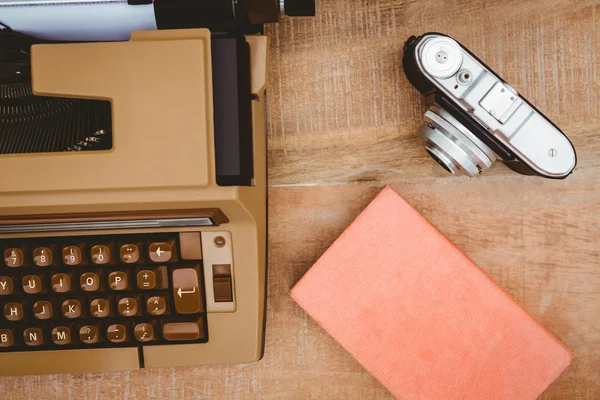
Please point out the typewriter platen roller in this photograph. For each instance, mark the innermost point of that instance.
(109, 20)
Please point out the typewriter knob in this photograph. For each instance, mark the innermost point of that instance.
(298, 8)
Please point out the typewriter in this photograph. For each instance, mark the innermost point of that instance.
(133, 203)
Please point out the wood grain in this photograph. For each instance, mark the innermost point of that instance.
(342, 124)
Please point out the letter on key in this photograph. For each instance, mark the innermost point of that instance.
(61, 335)
(100, 254)
(128, 307)
(61, 283)
(71, 309)
(88, 334)
(118, 280)
(42, 256)
(143, 332)
(146, 279)
(186, 290)
(72, 255)
(33, 337)
(90, 281)
(32, 284)
(13, 311)
(13, 257)
(6, 285)
(42, 310)
(100, 308)
(162, 251)
(117, 333)
(156, 305)
(6, 338)
(129, 253)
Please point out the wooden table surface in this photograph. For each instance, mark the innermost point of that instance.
(342, 124)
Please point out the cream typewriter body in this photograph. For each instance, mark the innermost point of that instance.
(134, 256)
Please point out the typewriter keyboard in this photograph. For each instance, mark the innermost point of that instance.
(101, 291)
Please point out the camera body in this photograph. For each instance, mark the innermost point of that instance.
(475, 118)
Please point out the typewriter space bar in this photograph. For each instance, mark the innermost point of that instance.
(68, 361)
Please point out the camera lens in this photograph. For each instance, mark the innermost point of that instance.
(444, 162)
(452, 145)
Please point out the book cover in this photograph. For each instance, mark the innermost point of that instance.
(421, 317)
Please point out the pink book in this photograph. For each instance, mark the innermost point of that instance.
(421, 317)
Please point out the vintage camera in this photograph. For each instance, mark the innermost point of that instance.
(474, 117)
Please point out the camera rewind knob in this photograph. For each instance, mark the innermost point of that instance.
(442, 57)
